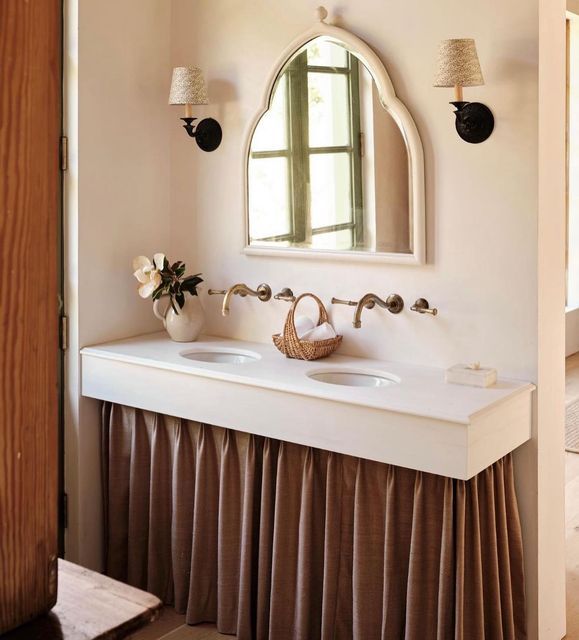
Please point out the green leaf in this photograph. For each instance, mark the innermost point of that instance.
(193, 292)
(194, 279)
(190, 285)
(180, 297)
(158, 292)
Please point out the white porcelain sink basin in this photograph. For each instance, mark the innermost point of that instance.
(353, 378)
(225, 356)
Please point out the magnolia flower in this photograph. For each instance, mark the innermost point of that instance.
(147, 273)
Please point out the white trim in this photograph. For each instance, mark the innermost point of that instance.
(316, 254)
(402, 117)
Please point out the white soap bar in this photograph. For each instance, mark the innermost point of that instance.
(471, 374)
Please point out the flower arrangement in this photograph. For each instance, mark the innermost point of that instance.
(159, 278)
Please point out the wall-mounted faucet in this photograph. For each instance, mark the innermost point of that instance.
(263, 293)
(394, 303)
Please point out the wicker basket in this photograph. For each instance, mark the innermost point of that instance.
(292, 347)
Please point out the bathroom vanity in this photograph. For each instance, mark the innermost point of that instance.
(405, 415)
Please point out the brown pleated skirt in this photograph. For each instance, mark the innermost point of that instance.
(278, 541)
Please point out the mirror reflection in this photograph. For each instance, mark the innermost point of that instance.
(328, 165)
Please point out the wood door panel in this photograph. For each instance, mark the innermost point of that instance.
(30, 125)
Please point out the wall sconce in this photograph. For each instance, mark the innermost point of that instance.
(188, 88)
(458, 67)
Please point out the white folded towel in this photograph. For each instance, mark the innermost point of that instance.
(303, 324)
(324, 332)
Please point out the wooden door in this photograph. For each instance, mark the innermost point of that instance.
(30, 125)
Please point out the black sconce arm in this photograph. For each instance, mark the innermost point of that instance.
(474, 121)
(207, 133)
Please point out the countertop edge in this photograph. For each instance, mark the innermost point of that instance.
(96, 352)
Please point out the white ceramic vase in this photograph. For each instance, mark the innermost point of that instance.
(184, 326)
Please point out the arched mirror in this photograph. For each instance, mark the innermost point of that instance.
(334, 162)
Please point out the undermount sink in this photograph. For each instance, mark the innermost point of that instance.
(351, 378)
(228, 356)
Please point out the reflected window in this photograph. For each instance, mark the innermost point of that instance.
(305, 173)
(328, 165)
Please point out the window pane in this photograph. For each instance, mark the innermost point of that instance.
(269, 197)
(330, 189)
(338, 240)
(271, 131)
(327, 54)
(329, 110)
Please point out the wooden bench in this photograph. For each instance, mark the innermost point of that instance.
(90, 606)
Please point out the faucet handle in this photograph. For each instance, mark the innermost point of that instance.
(286, 294)
(217, 292)
(422, 306)
(350, 303)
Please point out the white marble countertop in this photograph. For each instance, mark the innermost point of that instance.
(421, 391)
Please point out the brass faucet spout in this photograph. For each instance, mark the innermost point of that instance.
(227, 298)
(263, 292)
(368, 301)
(393, 303)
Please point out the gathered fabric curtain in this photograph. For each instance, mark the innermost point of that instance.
(278, 541)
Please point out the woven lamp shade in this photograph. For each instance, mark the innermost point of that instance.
(457, 64)
(188, 86)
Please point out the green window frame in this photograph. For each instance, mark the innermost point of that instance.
(299, 151)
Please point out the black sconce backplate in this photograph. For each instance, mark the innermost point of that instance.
(207, 134)
(474, 121)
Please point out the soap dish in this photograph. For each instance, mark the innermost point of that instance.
(471, 374)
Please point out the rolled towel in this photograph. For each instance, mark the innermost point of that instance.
(303, 324)
(324, 332)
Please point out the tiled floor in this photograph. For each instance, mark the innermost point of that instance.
(171, 626)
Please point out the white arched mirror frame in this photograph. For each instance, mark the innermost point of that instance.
(406, 125)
